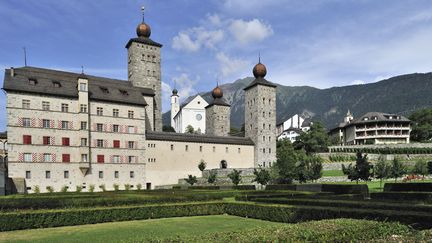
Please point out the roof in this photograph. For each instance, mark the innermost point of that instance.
(3, 135)
(294, 129)
(218, 101)
(187, 103)
(100, 88)
(261, 81)
(306, 123)
(197, 138)
(372, 117)
(143, 40)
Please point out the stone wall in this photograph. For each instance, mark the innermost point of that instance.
(218, 120)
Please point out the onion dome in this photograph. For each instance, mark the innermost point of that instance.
(259, 71)
(217, 93)
(175, 91)
(143, 30)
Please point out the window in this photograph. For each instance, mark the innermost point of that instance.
(116, 143)
(131, 174)
(116, 174)
(100, 174)
(46, 123)
(32, 81)
(264, 164)
(214, 149)
(100, 158)
(99, 143)
(263, 138)
(263, 126)
(130, 114)
(83, 87)
(172, 147)
(65, 125)
(131, 129)
(269, 150)
(83, 125)
(269, 126)
(56, 84)
(47, 158)
(200, 148)
(99, 127)
(115, 128)
(99, 111)
(263, 114)
(83, 108)
(27, 139)
(131, 144)
(115, 112)
(45, 105)
(28, 174)
(66, 174)
(27, 157)
(84, 157)
(226, 149)
(26, 104)
(47, 174)
(46, 140)
(64, 107)
(186, 147)
(239, 150)
(65, 141)
(83, 141)
(26, 122)
(263, 150)
(131, 159)
(116, 159)
(66, 158)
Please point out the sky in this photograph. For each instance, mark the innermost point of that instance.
(319, 43)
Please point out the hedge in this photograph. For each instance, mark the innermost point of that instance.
(403, 196)
(405, 187)
(290, 187)
(334, 188)
(379, 151)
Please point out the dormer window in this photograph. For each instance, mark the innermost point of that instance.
(365, 119)
(123, 92)
(104, 90)
(32, 81)
(56, 84)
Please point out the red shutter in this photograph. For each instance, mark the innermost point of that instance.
(26, 139)
(66, 157)
(116, 143)
(100, 158)
(45, 140)
(65, 141)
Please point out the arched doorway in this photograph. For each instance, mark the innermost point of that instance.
(223, 164)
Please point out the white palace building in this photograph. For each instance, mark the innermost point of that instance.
(72, 129)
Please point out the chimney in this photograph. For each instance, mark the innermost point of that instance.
(12, 72)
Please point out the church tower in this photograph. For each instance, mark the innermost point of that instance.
(349, 117)
(218, 115)
(260, 117)
(175, 106)
(144, 70)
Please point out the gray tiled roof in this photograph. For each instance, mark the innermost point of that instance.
(143, 40)
(197, 138)
(261, 81)
(372, 117)
(218, 101)
(103, 89)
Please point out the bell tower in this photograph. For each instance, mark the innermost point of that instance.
(144, 71)
(175, 106)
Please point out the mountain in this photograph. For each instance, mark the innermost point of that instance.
(401, 95)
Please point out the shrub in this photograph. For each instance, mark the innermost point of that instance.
(202, 165)
(410, 197)
(235, 177)
(36, 189)
(345, 189)
(78, 188)
(127, 187)
(420, 168)
(406, 187)
(191, 180)
(212, 177)
(261, 176)
(398, 169)
(116, 186)
(244, 187)
(64, 189)
(290, 187)
(139, 186)
(91, 188)
(102, 187)
(50, 189)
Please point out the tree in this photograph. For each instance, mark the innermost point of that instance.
(286, 159)
(191, 180)
(422, 125)
(190, 129)
(262, 176)
(421, 168)
(168, 129)
(212, 177)
(315, 167)
(302, 172)
(397, 169)
(315, 140)
(382, 170)
(362, 170)
(235, 177)
(202, 165)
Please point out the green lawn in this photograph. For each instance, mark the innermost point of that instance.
(333, 173)
(141, 230)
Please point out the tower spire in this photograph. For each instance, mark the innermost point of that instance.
(259, 57)
(142, 11)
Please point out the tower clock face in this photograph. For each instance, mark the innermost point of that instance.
(198, 117)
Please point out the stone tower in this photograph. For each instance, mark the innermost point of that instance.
(218, 115)
(175, 106)
(144, 70)
(349, 117)
(260, 117)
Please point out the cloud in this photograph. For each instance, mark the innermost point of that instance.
(358, 82)
(229, 65)
(193, 39)
(249, 31)
(185, 85)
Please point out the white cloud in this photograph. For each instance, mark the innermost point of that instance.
(358, 82)
(193, 39)
(229, 65)
(185, 85)
(249, 31)
(184, 42)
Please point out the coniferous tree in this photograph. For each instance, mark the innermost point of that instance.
(362, 170)
(235, 177)
(382, 170)
(398, 169)
(421, 168)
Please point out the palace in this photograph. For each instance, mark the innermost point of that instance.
(81, 131)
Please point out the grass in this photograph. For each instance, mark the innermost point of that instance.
(333, 173)
(142, 230)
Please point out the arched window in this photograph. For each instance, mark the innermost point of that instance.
(223, 164)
